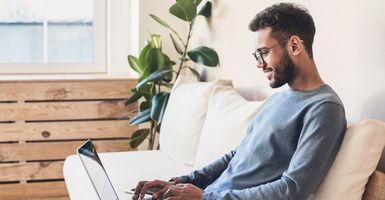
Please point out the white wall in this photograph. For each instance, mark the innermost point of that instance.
(349, 49)
(148, 26)
(122, 19)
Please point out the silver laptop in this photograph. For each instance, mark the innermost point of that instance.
(97, 174)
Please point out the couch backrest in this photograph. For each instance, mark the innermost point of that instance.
(184, 117)
(356, 160)
(228, 117)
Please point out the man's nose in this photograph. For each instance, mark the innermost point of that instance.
(261, 65)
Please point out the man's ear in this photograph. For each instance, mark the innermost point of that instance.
(295, 45)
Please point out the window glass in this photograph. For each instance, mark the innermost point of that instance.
(46, 31)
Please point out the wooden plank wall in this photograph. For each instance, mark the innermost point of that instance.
(42, 122)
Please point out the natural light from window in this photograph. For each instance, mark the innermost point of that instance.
(46, 31)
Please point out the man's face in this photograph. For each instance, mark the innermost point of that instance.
(278, 66)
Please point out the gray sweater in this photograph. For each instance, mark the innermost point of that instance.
(288, 149)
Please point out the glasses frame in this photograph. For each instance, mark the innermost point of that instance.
(259, 55)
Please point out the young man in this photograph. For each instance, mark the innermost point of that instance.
(294, 138)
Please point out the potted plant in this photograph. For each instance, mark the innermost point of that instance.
(157, 72)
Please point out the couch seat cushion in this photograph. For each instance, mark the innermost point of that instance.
(125, 170)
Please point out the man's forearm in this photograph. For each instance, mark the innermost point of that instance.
(208, 174)
(282, 189)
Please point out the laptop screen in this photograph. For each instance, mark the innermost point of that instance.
(96, 171)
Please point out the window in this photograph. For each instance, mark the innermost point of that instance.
(63, 36)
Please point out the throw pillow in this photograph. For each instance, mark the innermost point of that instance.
(355, 162)
(184, 117)
(228, 116)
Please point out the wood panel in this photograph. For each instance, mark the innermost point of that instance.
(54, 150)
(59, 90)
(43, 122)
(64, 110)
(66, 130)
(43, 190)
(31, 171)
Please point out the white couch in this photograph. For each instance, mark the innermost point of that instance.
(204, 121)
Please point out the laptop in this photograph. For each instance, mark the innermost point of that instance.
(97, 174)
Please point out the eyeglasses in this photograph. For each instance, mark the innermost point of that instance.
(259, 54)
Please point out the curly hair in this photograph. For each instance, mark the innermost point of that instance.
(285, 20)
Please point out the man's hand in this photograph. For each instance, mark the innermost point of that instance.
(143, 186)
(183, 192)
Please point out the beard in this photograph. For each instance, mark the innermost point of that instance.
(284, 71)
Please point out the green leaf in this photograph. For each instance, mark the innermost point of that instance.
(145, 74)
(204, 55)
(167, 85)
(148, 97)
(160, 21)
(135, 65)
(144, 105)
(195, 72)
(133, 98)
(197, 2)
(154, 77)
(156, 41)
(159, 104)
(156, 59)
(206, 9)
(168, 77)
(184, 9)
(176, 45)
(138, 137)
(143, 56)
(146, 89)
(142, 117)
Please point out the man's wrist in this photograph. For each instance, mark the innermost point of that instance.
(175, 181)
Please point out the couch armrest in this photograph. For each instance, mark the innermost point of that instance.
(77, 182)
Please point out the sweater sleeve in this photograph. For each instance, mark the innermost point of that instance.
(320, 139)
(208, 174)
